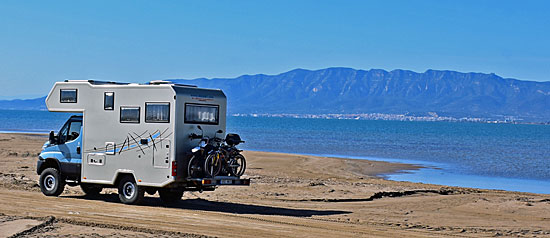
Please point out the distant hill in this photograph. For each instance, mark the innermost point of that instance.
(347, 91)
(24, 104)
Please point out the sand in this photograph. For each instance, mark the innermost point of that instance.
(290, 196)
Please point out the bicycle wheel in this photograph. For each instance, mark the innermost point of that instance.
(194, 169)
(237, 165)
(213, 164)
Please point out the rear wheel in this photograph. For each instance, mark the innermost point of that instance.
(51, 182)
(91, 189)
(170, 196)
(129, 192)
(213, 164)
(194, 169)
(237, 165)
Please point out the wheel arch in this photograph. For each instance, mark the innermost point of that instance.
(49, 163)
(121, 175)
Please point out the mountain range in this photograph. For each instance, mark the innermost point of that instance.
(351, 91)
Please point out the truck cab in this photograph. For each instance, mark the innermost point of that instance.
(61, 155)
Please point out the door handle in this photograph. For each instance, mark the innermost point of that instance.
(78, 149)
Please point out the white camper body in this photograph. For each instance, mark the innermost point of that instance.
(140, 130)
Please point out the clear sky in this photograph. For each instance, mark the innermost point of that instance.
(136, 41)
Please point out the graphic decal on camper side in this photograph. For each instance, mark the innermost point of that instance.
(134, 141)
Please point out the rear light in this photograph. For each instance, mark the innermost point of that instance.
(206, 181)
(174, 168)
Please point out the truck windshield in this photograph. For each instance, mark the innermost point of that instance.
(70, 131)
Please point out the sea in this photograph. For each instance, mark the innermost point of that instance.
(514, 157)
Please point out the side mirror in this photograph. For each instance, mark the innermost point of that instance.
(200, 128)
(52, 138)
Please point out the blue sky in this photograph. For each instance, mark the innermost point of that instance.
(136, 41)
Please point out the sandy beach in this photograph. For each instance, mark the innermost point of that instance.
(290, 196)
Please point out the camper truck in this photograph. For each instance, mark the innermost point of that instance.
(134, 137)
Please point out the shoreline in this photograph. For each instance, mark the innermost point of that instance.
(402, 170)
(358, 167)
(24, 132)
(438, 174)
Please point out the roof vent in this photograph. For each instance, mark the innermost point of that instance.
(93, 81)
(157, 82)
(185, 85)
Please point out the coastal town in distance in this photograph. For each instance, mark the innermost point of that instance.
(432, 116)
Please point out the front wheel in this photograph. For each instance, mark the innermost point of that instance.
(129, 192)
(237, 165)
(51, 182)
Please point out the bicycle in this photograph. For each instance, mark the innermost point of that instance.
(205, 147)
(226, 158)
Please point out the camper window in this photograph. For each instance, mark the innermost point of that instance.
(157, 112)
(129, 114)
(109, 101)
(201, 114)
(67, 95)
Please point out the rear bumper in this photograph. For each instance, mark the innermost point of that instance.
(219, 181)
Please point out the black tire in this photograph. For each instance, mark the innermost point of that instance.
(170, 196)
(91, 189)
(129, 192)
(194, 169)
(51, 182)
(213, 164)
(237, 166)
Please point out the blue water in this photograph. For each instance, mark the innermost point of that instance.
(500, 156)
(493, 156)
(31, 121)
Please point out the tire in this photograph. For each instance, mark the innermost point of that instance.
(213, 164)
(170, 196)
(91, 189)
(51, 182)
(194, 169)
(129, 192)
(237, 165)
